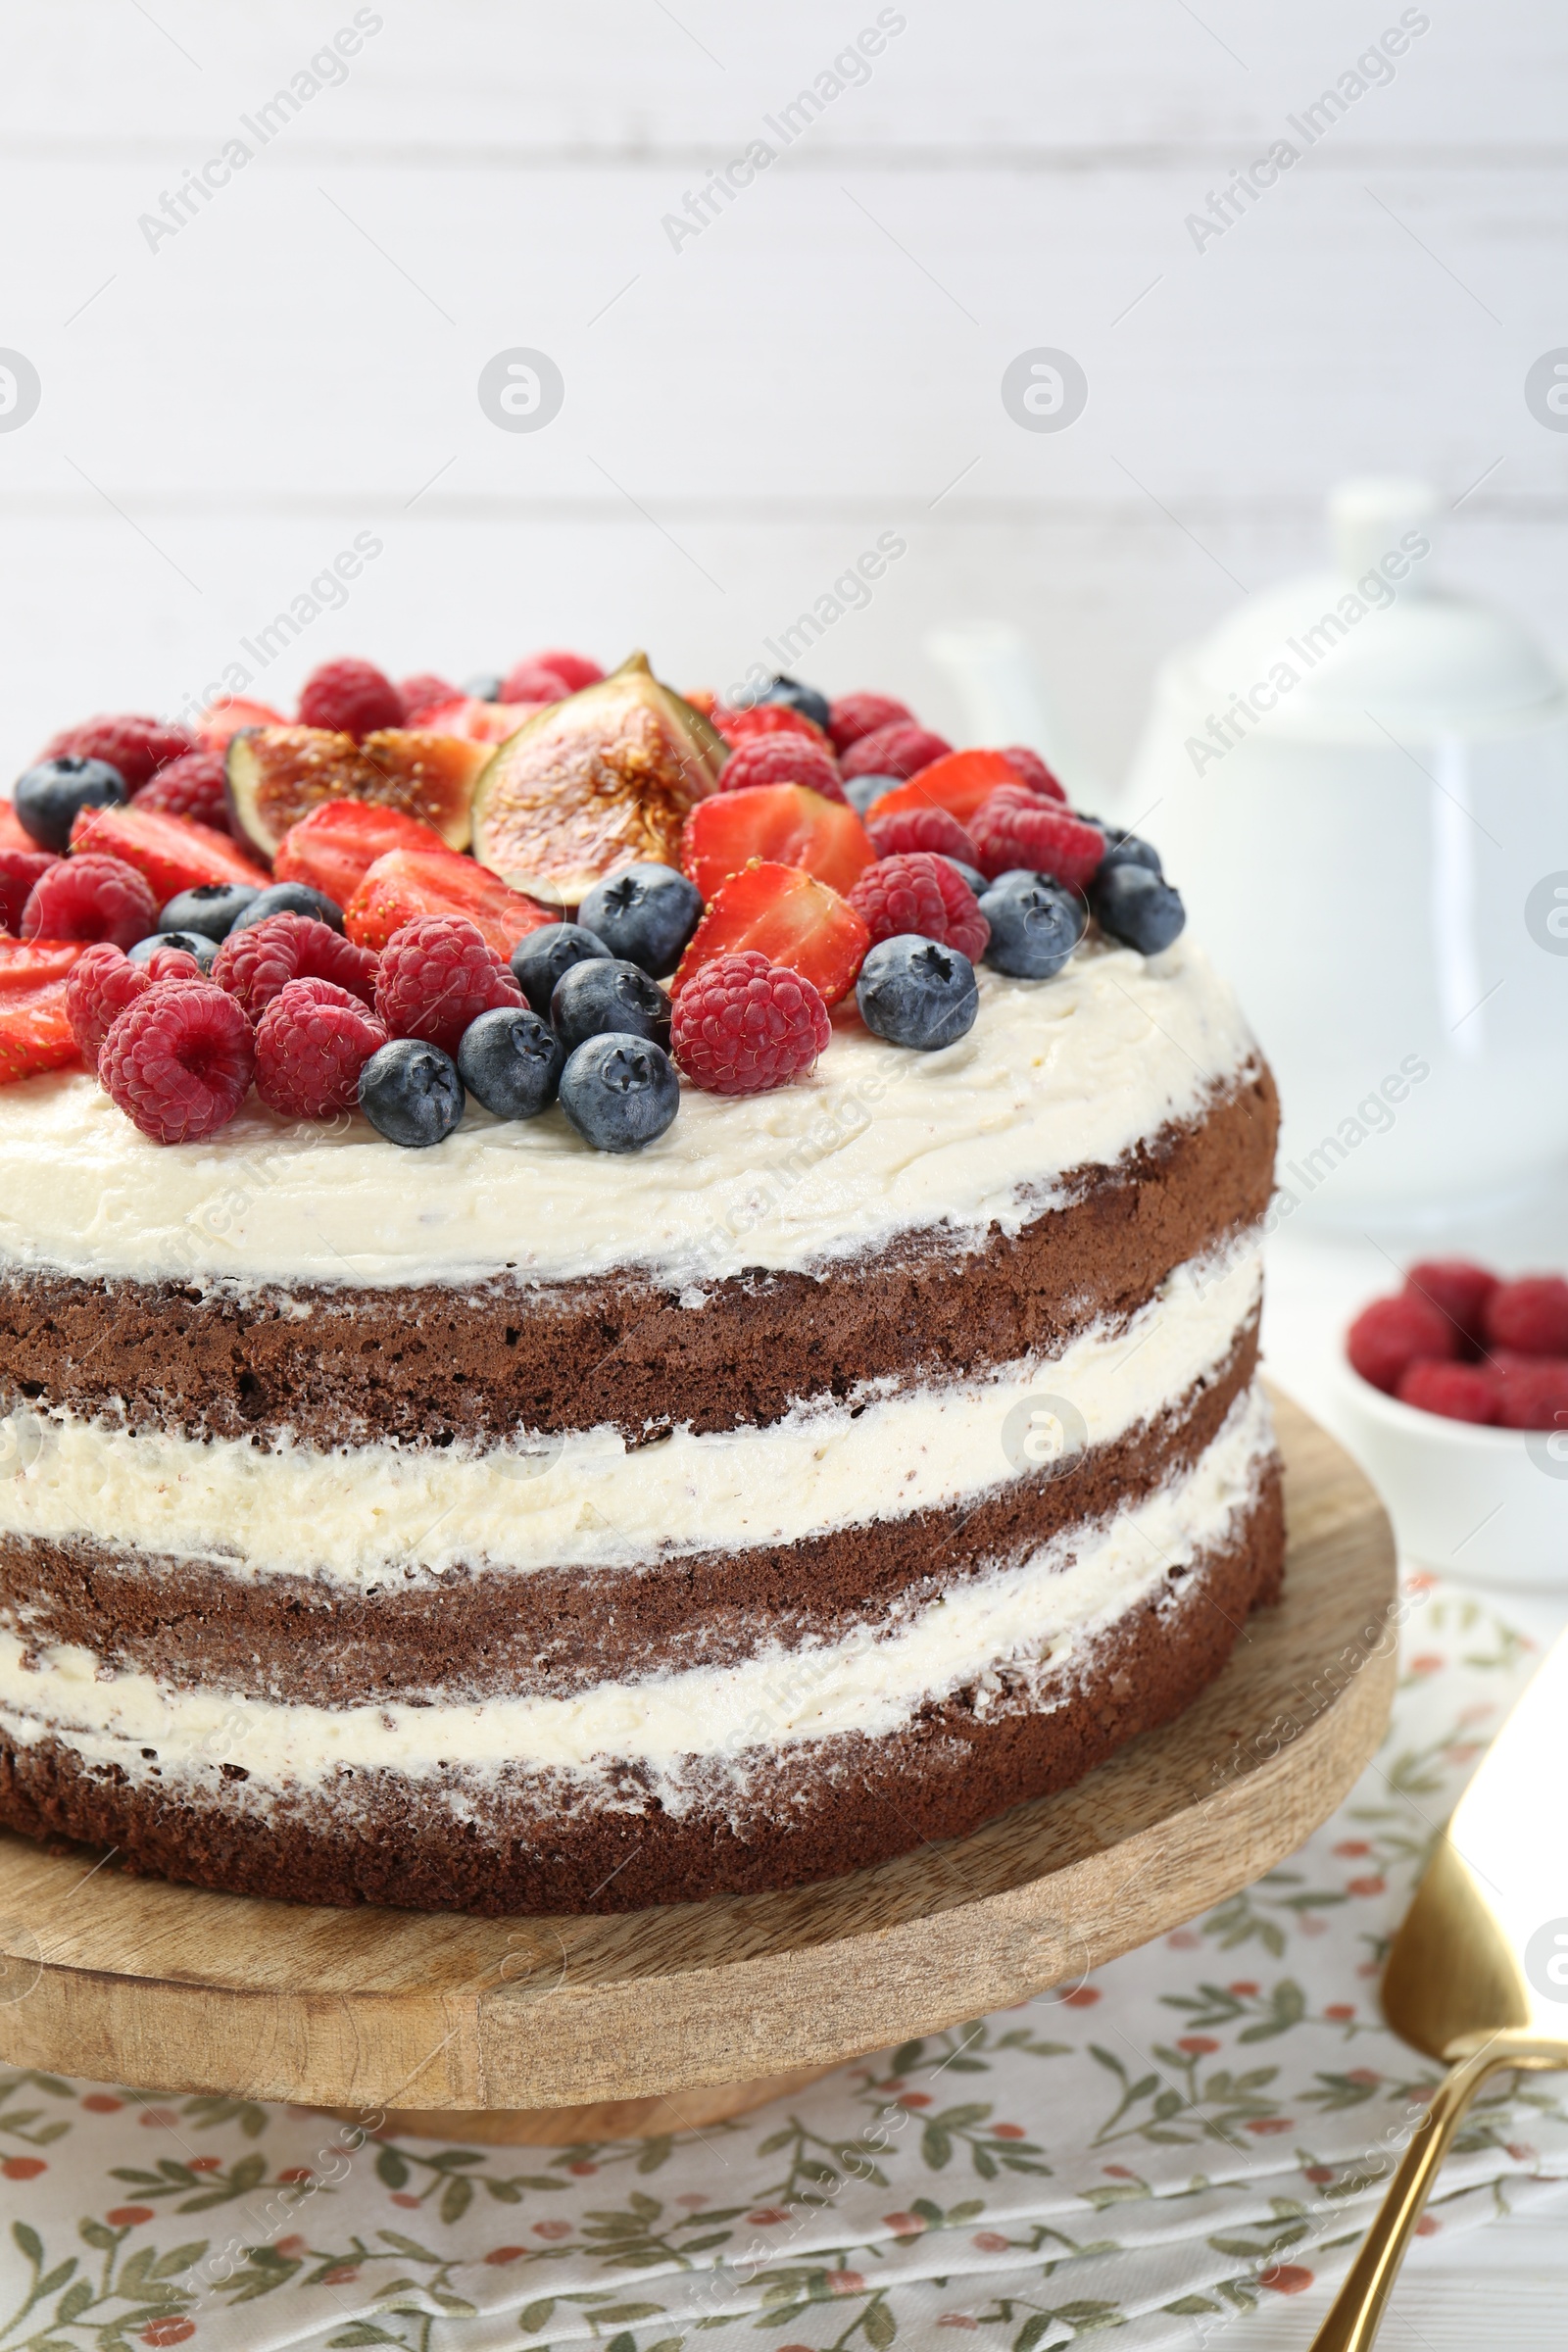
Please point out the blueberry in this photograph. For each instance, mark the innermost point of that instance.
(796, 696)
(971, 874)
(1126, 849)
(47, 796)
(485, 687)
(213, 908)
(289, 898)
(194, 942)
(411, 1091)
(1034, 924)
(619, 1092)
(613, 997)
(1138, 908)
(512, 1060)
(913, 992)
(545, 956)
(645, 915)
(861, 791)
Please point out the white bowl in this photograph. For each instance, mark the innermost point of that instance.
(1487, 1503)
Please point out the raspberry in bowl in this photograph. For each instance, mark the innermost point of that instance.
(1455, 1394)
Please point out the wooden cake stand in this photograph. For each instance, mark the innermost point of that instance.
(565, 2029)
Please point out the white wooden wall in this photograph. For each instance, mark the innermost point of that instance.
(744, 414)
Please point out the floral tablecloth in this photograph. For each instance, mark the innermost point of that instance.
(1200, 2126)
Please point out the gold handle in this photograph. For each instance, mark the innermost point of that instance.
(1358, 2307)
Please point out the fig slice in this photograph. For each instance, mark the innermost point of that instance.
(277, 775)
(599, 781)
(427, 775)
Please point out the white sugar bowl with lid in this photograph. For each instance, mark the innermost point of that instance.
(1360, 783)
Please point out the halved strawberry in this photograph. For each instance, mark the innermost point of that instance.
(26, 964)
(174, 853)
(786, 916)
(787, 823)
(765, 718)
(960, 783)
(335, 848)
(34, 1026)
(12, 833)
(214, 726)
(480, 722)
(406, 883)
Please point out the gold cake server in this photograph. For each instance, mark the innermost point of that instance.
(1479, 1970)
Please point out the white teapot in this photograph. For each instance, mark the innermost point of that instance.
(1359, 784)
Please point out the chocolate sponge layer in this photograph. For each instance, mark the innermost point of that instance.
(532, 1844)
(472, 1633)
(440, 1365)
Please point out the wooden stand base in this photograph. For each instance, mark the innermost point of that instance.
(542, 2028)
(607, 2119)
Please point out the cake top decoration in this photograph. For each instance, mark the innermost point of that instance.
(565, 894)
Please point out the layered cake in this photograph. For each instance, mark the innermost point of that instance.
(549, 1520)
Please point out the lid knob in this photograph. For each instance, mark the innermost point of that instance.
(1370, 514)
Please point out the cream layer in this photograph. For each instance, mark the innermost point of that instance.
(1029, 1621)
(376, 1514)
(1054, 1076)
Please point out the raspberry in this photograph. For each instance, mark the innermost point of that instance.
(854, 715)
(549, 677)
(1458, 1392)
(138, 747)
(741, 1025)
(1032, 772)
(1529, 1316)
(1458, 1290)
(1011, 830)
(899, 749)
(19, 869)
(436, 976)
(254, 964)
(1531, 1391)
(575, 670)
(920, 892)
(934, 829)
(310, 1045)
(1387, 1336)
(97, 993)
(786, 759)
(351, 698)
(424, 691)
(90, 898)
(104, 982)
(190, 786)
(178, 1062)
(533, 682)
(171, 963)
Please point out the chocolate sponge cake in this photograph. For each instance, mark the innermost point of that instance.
(516, 1526)
(501, 1413)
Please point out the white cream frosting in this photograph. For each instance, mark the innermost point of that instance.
(1054, 1076)
(1032, 1620)
(378, 1515)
